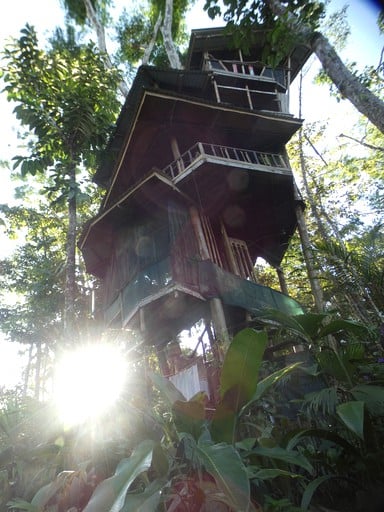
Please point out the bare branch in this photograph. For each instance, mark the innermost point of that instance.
(151, 43)
(370, 146)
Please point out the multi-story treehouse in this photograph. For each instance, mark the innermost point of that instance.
(198, 186)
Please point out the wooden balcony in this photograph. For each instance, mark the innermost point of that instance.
(245, 159)
(276, 78)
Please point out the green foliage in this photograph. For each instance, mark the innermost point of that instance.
(180, 465)
(352, 415)
(239, 377)
(110, 495)
(65, 97)
(241, 18)
(135, 31)
(77, 11)
(342, 188)
(34, 275)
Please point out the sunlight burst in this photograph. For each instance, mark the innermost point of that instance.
(88, 381)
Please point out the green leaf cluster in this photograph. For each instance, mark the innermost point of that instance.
(65, 98)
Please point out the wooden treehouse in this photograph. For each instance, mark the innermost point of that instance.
(198, 186)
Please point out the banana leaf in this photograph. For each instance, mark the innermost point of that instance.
(110, 495)
(238, 383)
(352, 415)
(223, 462)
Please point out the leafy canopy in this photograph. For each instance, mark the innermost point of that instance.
(65, 98)
(241, 18)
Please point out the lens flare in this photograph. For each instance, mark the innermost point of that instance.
(88, 381)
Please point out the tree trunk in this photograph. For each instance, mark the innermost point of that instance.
(309, 260)
(166, 30)
(282, 280)
(38, 371)
(27, 372)
(100, 32)
(151, 44)
(70, 270)
(346, 82)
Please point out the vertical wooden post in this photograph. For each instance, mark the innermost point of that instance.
(176, 154)
(218, 319)
(228, 251)
(216, 306)
(199, 233)
(288, 81)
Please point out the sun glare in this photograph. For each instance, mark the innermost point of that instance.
(88, 380)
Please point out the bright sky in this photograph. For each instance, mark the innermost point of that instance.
(364, 48)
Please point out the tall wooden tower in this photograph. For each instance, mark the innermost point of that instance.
(198, 186)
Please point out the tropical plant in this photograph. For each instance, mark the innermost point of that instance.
(197, 463)
(246, 455)
(343, 419)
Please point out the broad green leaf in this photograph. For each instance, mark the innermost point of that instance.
(336, 364)
(311, 323)
(310, 490)
(372, 396)
(242, 363)
(317, 433)
(23, 505)
(335, 326)
(44, 494)
(246, 444)
(283, 455)
(189, 416)
(264, 385)
(224, 421)
(167, 389)
(145, 501)
(292, 323)
(160, 461)
(352, 415)
(223, 462)
(269, 474)
(239, 378)
(110, 494)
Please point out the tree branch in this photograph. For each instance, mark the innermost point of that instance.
(370, 146)
(151, 43)
(346, 82)
(100, 32)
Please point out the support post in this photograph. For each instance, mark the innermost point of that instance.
(218, 320)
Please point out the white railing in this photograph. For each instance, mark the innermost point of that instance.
(203, 150)
(251, 68)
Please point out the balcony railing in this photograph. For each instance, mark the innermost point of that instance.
(250, 68)
(203, 151)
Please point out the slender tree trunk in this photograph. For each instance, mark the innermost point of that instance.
(27, 372)
(348, 271)
(282, 280)
(38, 370)
(151, 44)
(346, 82)
(306, 246)
(166, 30)
(70, 275)
(309, 258)
(100, 33)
